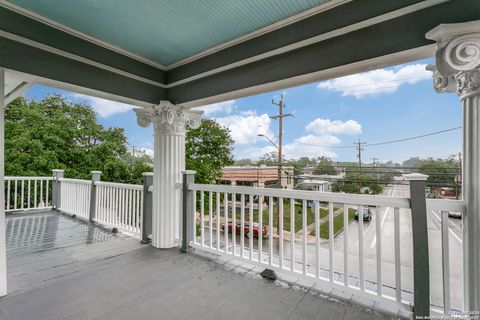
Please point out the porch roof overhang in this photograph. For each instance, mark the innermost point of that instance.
(241, 50)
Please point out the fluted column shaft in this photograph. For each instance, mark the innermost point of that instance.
(170, 123)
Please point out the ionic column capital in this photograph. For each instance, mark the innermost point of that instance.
(457, 65)
(168, 118)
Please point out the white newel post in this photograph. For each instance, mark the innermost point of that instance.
(3, 250)
(170, 123)
(457, 68)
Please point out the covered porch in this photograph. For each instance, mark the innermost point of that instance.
(239, 51)
(98, 275)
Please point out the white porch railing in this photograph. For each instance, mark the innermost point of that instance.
(75, 196)
(120, 205)
(439, 211)
(372, 259)
(369, 259)
(322, 264)
(28, 193)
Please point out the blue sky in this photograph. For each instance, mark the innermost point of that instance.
(385, 104)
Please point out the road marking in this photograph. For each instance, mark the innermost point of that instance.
(449, 229)
(374, 241)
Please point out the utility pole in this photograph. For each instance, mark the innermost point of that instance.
(359, 152)
(280, 117)
(375, 162)
(133, 157)
(133, 160)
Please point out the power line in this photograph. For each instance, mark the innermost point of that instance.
(412, 138)
(380, 143)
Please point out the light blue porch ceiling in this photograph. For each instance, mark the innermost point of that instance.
(167, 31)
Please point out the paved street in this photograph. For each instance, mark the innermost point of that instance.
(388, 252)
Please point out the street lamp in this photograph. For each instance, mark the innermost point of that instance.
(269, 140)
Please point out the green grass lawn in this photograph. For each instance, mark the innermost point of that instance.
(337, 224)
(298, 215)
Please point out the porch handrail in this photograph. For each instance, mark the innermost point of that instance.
(119, 185)
(78, 181)
(12, 178)
(446, 205)
(28, 193)
(353, 199)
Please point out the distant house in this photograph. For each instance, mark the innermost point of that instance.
(262, 176)
(315, 185)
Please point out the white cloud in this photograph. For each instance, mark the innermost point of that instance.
(253, 152)
(377, 81)
(246, 127)
(311, 146)
(104, 108)
(221, 107)
(321, 126)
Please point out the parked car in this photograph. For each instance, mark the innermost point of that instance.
(367, 214)
(246, 229)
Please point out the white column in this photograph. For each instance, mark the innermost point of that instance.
(3, 250)
(457, 68)
(170, 123)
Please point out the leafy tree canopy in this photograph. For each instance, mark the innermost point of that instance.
(358, 182)
(325, 166)
(55, 134)
(244, 162)
(208, 150)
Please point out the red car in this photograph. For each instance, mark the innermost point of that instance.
(238, 228)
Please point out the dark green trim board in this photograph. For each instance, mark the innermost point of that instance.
(396, 35)
(37, 31)
(421, 266)
(147, 207)
(349, 13)
(27, 59)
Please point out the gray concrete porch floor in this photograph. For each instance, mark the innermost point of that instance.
(63, 268)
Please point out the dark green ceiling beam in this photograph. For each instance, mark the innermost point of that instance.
(400, 34)
(27, 59)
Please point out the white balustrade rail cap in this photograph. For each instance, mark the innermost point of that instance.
(344, 198)
(416, 177)
(119, 185)
(28, 178)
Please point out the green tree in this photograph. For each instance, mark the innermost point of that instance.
(244, 162)
(208, 150)
(358, 182)
(440, 171)
(269, 159)
(325, 166)
(53, 133)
